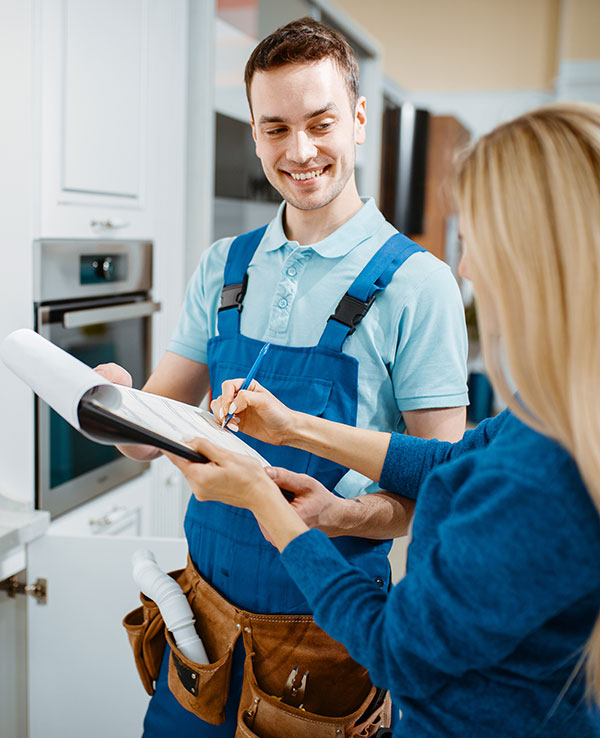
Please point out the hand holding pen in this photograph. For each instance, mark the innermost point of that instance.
(250, 376)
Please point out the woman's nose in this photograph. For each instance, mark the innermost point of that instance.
(463, 267)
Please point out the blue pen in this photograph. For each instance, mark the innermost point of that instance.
(251, 374)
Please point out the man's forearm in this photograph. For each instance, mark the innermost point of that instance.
(379, 515)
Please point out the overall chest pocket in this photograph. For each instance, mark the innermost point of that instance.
(305, 394)
(309, 395)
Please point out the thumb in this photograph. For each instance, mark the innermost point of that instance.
(208, 449)
(289, 480)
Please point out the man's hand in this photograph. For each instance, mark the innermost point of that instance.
(314, 503)
(115, 374)
(378, 515)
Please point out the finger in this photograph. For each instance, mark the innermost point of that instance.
(233, 424)
(250, 398)
(293, 482)
(216, 407)
(200, 477)
(215, 453)
(178, 461)
(229, 389)
(114, 373)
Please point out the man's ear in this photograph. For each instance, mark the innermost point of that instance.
(360, 121)
(254, 134)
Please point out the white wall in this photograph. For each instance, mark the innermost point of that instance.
(17, 198)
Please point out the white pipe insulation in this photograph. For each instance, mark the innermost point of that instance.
(172, 603)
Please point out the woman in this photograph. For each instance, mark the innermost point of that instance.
(486, 634)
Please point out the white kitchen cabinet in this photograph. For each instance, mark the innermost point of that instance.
(81, 674)
(102, 110)
(125, 510)
(13, 672)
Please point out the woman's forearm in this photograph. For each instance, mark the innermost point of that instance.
(277, 517)
(356, 448)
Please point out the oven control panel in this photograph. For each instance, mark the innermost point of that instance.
(101, 268)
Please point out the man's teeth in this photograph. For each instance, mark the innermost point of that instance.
(307, 175)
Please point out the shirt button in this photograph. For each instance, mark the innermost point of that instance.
(379, 582)
(291, 271)
(283, 303)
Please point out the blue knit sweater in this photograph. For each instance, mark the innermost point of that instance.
(502, 588)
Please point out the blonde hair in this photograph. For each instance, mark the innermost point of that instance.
(529, 198)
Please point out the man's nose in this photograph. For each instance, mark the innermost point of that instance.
(301, 149)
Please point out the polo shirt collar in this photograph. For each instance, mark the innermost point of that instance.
(360, 226)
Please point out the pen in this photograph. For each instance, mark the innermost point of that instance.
(251, 374)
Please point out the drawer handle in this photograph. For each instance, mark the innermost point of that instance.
(108, 223)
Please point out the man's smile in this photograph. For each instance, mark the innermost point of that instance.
(306, 174)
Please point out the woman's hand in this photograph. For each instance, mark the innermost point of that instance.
(241, 481)
(257, 412)
(228, 477)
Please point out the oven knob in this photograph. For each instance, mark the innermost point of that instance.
(104, 269)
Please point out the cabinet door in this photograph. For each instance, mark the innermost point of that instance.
(81, 673)
(102, 108)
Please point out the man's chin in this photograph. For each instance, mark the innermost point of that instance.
(308, 200)
(306, 204)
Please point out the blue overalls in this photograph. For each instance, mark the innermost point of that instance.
(225, 543)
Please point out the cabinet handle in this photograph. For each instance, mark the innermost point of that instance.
(108, 223)
(111, 517)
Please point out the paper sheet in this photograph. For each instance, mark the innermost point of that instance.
(61, 380)
(58, 378)
(175, 420)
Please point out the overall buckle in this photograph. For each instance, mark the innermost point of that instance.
(232, 295)
(350, 311)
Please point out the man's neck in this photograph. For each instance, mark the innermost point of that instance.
(311, 226)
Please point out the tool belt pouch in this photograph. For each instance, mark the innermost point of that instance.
(203, 688)
(334, 700)
(146, 631)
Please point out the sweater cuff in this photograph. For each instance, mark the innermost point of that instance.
(403, 468)
(307, 557)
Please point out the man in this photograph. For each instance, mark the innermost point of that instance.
(392, 356)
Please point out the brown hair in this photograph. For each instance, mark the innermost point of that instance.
(301, 42)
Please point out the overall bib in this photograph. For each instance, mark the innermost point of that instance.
(225, 543)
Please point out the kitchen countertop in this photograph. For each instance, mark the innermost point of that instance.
(19, 524)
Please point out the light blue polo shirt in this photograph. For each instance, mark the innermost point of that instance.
(411, 346)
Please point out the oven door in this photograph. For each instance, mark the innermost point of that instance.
(71, 469)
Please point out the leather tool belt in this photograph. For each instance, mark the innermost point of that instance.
(298, 682)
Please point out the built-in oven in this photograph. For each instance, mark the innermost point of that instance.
(93, 299)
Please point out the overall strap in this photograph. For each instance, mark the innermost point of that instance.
(375, 276)
(235, 280)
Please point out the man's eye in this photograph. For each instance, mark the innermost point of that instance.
(275, 131)
(323, 126)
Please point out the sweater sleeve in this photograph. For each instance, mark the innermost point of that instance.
(501, 566)
(410, 459)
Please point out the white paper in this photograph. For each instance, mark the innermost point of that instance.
(58, 378)
(174, 420)
(61, 380)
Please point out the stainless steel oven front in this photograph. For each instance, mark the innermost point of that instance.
(93, 299)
